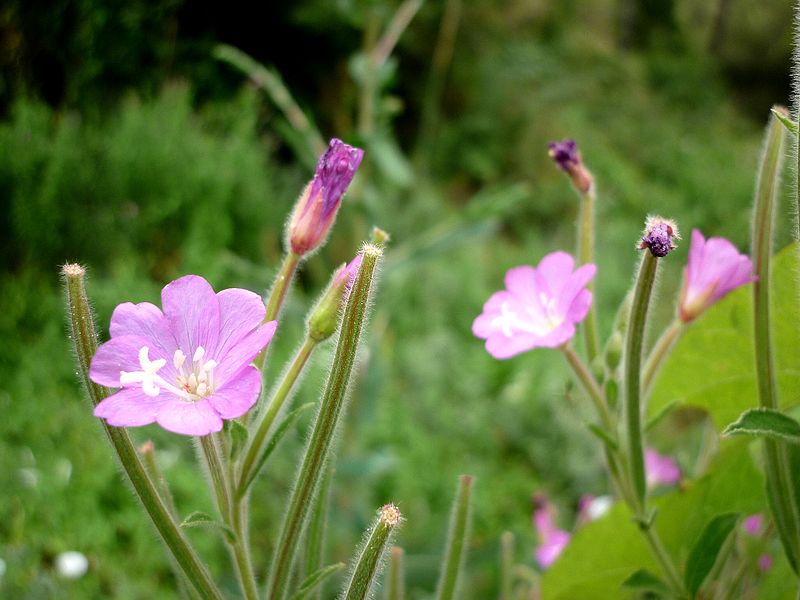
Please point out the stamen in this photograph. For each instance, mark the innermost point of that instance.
(198, 354)
(178, 359)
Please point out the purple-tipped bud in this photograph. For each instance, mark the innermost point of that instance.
(658, 236)
(325, 316)
(317, 206)
(568, 158)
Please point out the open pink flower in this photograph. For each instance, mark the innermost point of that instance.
(715, 268)
(660, 469)
(539, 307)
(553, 539)
(186, 368)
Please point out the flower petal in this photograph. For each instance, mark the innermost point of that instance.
(130, 407)
(483, 326)
(189, 418)
(520, 281)
(238, 395)
(240, 311)
(118, 354)
(501, 346)
(243, 353)
(145, 320)
(572, 288)
(555, 269)
(192, 311)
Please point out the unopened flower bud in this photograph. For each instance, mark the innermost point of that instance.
(317, 206)
(568, 158)
(658, 236)
(614, 350)
(325, 316)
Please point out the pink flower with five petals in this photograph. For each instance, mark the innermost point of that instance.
(539, 307)
(715, 268)
(186, 368)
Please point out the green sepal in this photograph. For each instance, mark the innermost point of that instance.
(768, 423)
(786, 121)
(706, 550)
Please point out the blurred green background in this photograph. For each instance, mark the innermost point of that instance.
(127, 146)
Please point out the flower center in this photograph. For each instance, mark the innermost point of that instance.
(537, 321)
(193, 381)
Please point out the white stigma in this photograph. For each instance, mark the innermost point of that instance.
(147, 376)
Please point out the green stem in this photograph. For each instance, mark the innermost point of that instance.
(659, 352)
(634, 447)
(395, 582)
(221, 488)
(591, 386)
(675, 581)
(258, 441)
(586, 256)
(506, 565)
(780, 488)
(456, 541)
(84, 338)
(315, 536)
(368, 566)
(321, 440)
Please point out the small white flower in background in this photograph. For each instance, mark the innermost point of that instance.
(2, 568)
(72, 564)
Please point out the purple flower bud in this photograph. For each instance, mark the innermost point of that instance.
(317, 206)
(658, 236)
(568, 158)
(565, 154)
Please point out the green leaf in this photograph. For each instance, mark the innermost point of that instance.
(643, 579)
(280, 431)
(787, 121)
(766, 422)
(312, 581)
(201, 519)
(712, 366)
(603, 435)
(707, 548)
(238, 433)
(602, 554)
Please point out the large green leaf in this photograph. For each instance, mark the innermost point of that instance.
(605, 553)
(712, 366)
(707, 548)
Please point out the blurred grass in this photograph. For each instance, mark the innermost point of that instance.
(161, 187)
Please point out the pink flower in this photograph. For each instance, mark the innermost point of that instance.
(539, 307)
(317, 206)
(553, 540)
(186, 368)
(752, 525)
(715, 268)
(660, 469)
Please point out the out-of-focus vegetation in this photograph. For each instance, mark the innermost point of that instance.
(126, 146)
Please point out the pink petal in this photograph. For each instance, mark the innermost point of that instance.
(502, 347)
(558, 337)
(482, 327)
(240, 311)
(555, 269)
(579, 308)
(573, 287)
(238, 395)
(243, 353)
(547, 553)
(189, 418)
(130, 407)
(696, 251)
(118, 354)
(145, 320)
(520, 281)
(192, 311)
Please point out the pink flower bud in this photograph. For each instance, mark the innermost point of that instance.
(658, 236)
(568, 158)
(317, 206)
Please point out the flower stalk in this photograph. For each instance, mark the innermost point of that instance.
(84, 338)
(326, 423)
(369, 563)
(585, 257)
(780, 488)
(659, 353)
(456, 540)
(395, 581)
